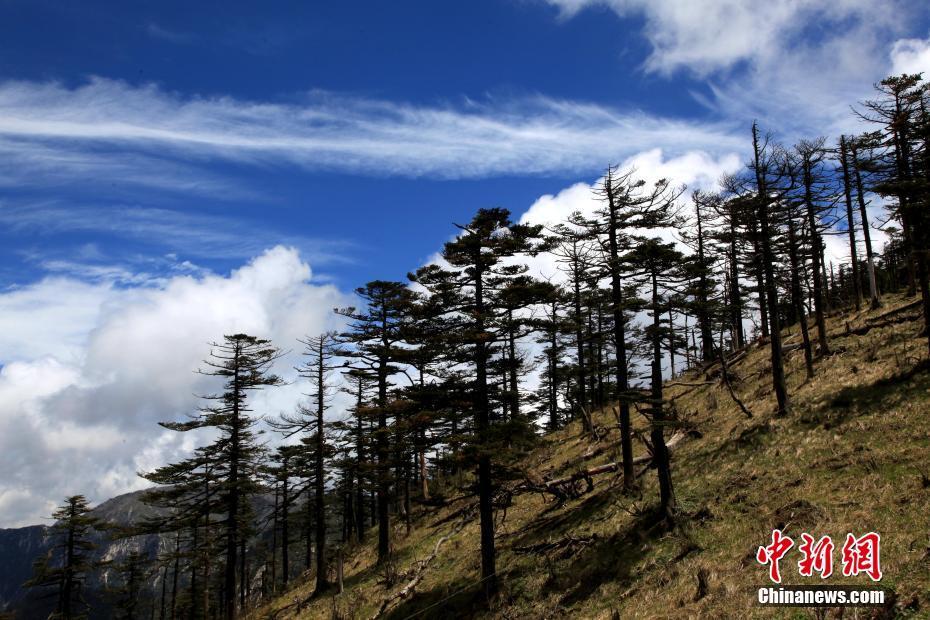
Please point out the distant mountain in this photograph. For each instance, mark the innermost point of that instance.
(19, 548)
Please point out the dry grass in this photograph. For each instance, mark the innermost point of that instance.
(850, 458)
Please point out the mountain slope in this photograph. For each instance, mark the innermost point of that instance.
(851, 458)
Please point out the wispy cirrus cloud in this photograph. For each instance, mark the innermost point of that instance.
(75, 164)
(184, 232)
(526, 136)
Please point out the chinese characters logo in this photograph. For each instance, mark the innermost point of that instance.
(858, 555)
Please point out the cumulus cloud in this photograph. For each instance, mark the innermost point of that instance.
(106, 120)
(694, 169)
(911, 56)
(709, 35)
(794, 65)
(80, 399)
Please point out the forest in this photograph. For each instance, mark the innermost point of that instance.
(458, 373)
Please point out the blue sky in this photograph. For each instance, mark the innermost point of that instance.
(373, 222)
(172, 171)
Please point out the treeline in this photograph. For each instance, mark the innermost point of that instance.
(437, 367)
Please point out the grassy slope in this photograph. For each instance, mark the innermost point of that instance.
(849, 459)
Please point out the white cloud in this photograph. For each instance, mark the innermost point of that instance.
(695, 169)
(911, 56)
(88, 371)
(52, 317)
(106, 120)
(710, 35)
(190, 233)
(794, 65)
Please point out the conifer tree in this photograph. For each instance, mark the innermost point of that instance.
(626, 204)
(69, 562)
(132, 573)
(376, 334)
(355, 432)
(901, 113)
(662, 269)
(766, 184)
(576, 257)
(817, 198)
(857, 147)
(321, 352)
(704, 306)
(244, 363)
(479, 268)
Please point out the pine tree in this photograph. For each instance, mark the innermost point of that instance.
(627, 204)
(244, 364)
(662, 268)
(901, 113)
(765, 185)
(132, 573)
(360, 385)
(480, 267)
(321, 352)
(704, 306)
(376, 335)
(69, 562)
(576, 257)
(818, 200)
(857, 146)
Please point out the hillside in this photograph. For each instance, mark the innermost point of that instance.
(852, 457)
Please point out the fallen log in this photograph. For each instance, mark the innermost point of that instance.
(554, 486)
(711, 371)
(893, 311)
(689, 383)
(862, 330)
(545, 547)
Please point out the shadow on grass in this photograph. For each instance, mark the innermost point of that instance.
(559, 520)
(752, 438)
(610, 559)
(852, 401)
(577, 574)
(461, 598)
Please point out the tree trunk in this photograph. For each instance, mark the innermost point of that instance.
(768, 255)
(736, 297)
(485, 509)
(662, 459)
(874, 303)
(383, 493)
(285, 534)
(320, 482)
(816, 261)
(579, 342)
(359, 485)
(232, 502)
(850, 223)
(616, 292)
(796, 297)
